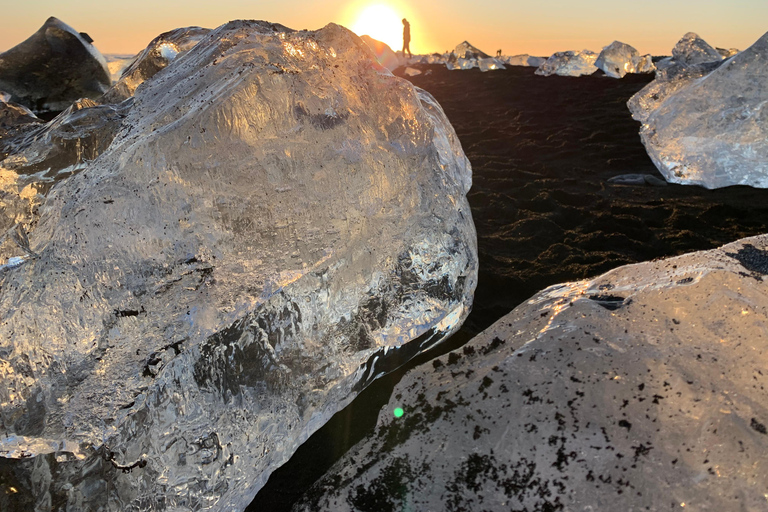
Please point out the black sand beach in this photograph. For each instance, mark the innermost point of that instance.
(542, 151)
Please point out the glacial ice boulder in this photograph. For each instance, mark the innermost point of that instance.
(160, 52)
(642, 389)
(617, 59)
(713, 131)
(525, 60)
(277, 222)
(692, 50)
(569, 64)
(14, 119)
(383, 53)
(52, 68)
(465, 50)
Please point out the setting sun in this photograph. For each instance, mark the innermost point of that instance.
(380, 22)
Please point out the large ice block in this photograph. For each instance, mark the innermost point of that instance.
(712, 131)
(569, 63)
(641, 389)
(160, 52)
(278, 222)
(617, 59)
(52, 68)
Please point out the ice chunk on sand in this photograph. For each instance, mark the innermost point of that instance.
(383, 53)
(569, 64)
(411, 72)
(649, 379)
(617, 59)
(713, 132)
(276, 224)
(525, 60)
(158, 54)
(52, 68)
(465, 50)
(691, 50)
(490, 64)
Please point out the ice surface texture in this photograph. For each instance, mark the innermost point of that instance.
(642, 389)
(617, 59)
(713, 131)
(569, 64)
(51, 69)
(278, 221)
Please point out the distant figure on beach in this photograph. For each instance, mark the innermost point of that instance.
(406, 38)
(498, 53)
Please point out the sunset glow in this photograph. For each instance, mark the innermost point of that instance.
(382, 23)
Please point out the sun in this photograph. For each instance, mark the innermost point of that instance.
(382, 23)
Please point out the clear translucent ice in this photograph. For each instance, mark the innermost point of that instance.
(569, 64)
(636, 390)
(713, 131)
(278, 221)
(617, 59)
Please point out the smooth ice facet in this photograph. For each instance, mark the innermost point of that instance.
(277, 222)
(713, 131)
(641, 389)
(569, 64)
(617, 59)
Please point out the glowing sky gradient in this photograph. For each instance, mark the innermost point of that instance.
(537, 27)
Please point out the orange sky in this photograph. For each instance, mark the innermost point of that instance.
(539, 27)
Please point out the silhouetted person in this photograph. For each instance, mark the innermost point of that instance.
(498, 53)
(406, 38)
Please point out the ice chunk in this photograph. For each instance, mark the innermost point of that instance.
(692, 49)
(411, 72)
(490, 64)
(277, 223)
(730, 52)
(525, 60)
(52, 68)
(617, 59)
(160, 52)
(649, 379)
(569, 64)
(465, 50)
(383, 53)
(713, 132)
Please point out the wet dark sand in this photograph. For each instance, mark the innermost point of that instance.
(542, 150)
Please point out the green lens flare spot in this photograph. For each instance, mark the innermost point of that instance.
(398, 412)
